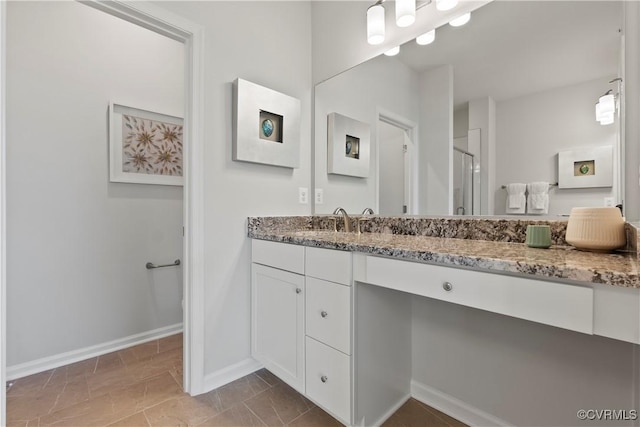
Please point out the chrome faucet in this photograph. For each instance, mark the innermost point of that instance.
(345, 217)
(367, 211)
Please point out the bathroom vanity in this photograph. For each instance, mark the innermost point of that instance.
(332, 310)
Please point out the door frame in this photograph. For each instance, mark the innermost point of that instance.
(191, 35)
(410, 179)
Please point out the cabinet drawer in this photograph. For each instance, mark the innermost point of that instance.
(328, 379)
(328, 313)
(557, 304)
(329, 264)
(279, 255)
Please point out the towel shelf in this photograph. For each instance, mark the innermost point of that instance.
(555, 184)
(151, 265)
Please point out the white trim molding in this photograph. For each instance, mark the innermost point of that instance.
(3, 216)
(453, 407)
(55, 361)
(231, 373)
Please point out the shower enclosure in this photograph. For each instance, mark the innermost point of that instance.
(463, 168)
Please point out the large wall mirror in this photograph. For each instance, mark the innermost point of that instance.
(485, 105)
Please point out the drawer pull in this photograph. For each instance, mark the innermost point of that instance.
(324, 378)
(298, 290)
(447, 286)
(324, 313)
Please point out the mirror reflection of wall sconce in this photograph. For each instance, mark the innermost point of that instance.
(405, 16)
(606, 105)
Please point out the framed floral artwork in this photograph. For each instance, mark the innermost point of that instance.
(145, 147)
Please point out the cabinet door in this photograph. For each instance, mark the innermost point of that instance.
(277, 325)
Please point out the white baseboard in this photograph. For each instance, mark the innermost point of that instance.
(55, 361)
(230, 373)
(454, 407)
(390, 412)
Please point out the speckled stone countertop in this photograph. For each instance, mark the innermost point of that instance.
(494, 245)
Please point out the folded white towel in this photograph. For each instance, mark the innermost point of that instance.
(538, 199)
(516, 200)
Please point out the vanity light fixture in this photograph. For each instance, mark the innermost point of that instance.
(460, 20)
(405, 12)
(426, 38)
(443, 5)
(375, 23)
(606, 105)
(393, 51)
(605, 109)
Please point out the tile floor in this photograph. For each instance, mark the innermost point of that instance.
(142, 386)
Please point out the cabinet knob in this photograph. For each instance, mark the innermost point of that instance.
(324, 313)
(324, 378)
(447, 286)
(298, 290)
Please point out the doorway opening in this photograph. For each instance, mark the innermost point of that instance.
(395, 165)
(190, 35)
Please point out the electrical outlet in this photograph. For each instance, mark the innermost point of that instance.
(608, 201)
(303, 195)
(319, 196)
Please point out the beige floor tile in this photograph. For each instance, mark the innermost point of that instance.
(170, 343)
(414, 414)
(268, 377)
(93, 412)
(55, 395)
(449, 420)
(108, 381)
(139, 352)
(107, 362)
(279, 405)
(147, 393)
(237, 416)
(109, 408)
(315, 417)
(135, 420)
(180, 411)
(235, 392)
(31, 384)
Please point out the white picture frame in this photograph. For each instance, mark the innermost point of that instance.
(586, 168)
(145, 147)
(256, 106)
(348, 146)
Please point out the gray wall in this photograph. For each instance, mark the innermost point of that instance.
(236, 46)
(76, 243)
(532, 129)
(521, 372)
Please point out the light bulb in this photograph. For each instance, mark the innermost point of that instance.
(607, 103)
(460, 20)
(393, 51)
(375, 24)
(426, 38)
(405, 12)
(606, 119)
(446, 4)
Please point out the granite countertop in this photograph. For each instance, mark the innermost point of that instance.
(558, 262)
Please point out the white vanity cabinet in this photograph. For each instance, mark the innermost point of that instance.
(277, 305)
(301, 328)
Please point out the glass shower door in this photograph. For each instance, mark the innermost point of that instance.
(462, 182)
